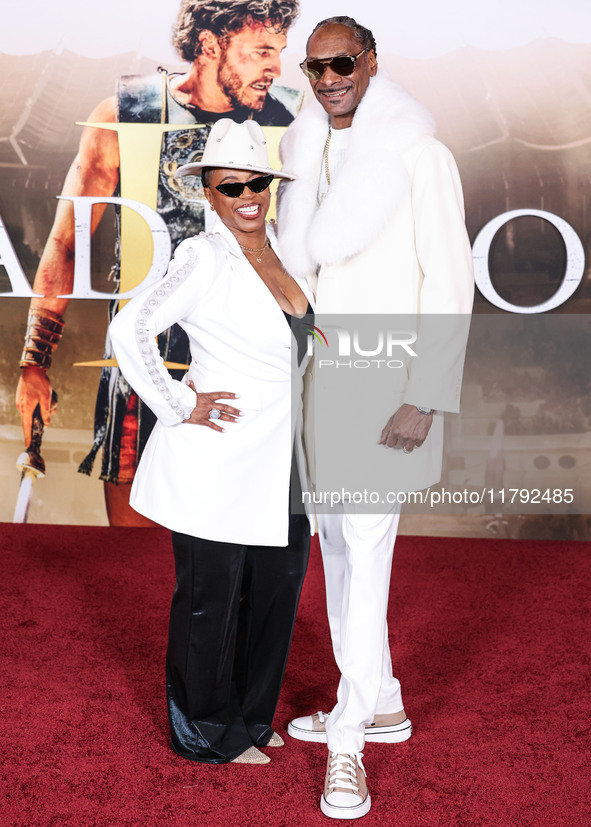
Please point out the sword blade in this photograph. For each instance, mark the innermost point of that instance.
(21, 511)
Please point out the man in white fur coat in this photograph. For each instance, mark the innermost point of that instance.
(375, 220)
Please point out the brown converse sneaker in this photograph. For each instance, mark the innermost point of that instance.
(385, 729)
(345, 789)
(309, 728)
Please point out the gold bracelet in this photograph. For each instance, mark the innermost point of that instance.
(44, 330)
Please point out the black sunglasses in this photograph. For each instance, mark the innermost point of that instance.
(343, 65)
(235, 190)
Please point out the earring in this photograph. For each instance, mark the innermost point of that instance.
(211, 207)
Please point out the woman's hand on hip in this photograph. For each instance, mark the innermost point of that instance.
(207, 403)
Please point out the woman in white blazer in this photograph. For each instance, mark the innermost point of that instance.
(218, 465)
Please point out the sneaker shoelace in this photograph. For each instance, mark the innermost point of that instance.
(342, 772)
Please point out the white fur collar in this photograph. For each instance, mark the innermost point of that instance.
(369, 187)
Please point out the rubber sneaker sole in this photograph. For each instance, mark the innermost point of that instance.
(395, 734)
(357, 811)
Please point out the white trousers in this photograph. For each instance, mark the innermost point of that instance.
(357, 556)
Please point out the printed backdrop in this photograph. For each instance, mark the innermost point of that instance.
(509, 85)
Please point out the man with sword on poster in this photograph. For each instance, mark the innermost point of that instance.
(234, 48)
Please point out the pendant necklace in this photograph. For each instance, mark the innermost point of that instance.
(255, 250)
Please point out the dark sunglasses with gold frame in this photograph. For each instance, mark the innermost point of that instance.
(343, 65)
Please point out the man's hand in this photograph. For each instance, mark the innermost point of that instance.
(33, 389)
(407, 429)
(206, 402)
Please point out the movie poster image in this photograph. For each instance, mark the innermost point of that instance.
(509, 90)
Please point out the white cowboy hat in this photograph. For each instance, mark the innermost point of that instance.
(232, 145)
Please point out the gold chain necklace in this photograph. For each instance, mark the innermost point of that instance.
(255, 250)
(326, 167)
(326, 148)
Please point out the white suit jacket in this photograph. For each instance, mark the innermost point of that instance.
(389, 238)
(232, 486)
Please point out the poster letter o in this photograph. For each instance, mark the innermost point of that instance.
(573, 274)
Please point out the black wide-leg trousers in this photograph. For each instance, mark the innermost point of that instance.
(231, 622)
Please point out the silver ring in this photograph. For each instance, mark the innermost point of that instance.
(215, 413)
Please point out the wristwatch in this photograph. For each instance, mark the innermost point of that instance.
(425, 411)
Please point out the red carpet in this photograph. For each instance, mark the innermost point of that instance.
(490, 639)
